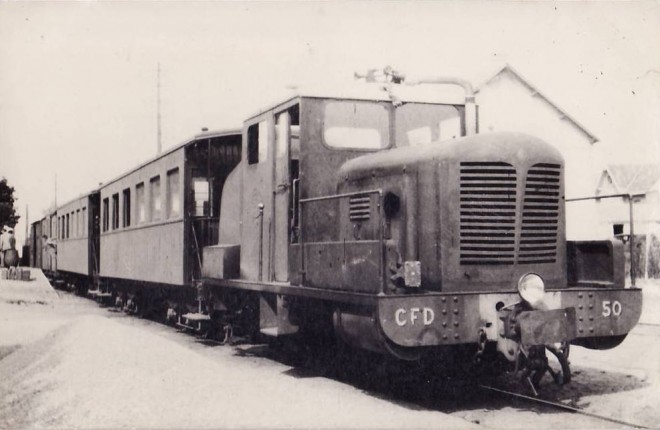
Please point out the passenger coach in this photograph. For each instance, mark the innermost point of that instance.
(155, 219)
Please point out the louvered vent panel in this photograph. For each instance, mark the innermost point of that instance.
(359, 208)
(487, 213)
(538, 238)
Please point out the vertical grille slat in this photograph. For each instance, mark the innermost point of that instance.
(487, 213)
(540, 215)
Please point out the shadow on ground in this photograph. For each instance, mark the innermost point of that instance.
(416, 386)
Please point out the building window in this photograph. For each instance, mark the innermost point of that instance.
(106, 214)
(66, 226)
(126, 209)
(257, 143)
(617, 229)
(154, 198)
(139, 203)
(173, 194)
(115, 211)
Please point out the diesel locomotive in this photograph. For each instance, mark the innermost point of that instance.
(377, 211)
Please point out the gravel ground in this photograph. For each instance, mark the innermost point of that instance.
(66, 363)
(73, 365)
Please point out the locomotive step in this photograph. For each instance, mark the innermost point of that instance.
(196, 317)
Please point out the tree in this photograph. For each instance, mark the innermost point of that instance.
(8, 215)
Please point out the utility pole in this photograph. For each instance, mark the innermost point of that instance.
(56, 233)
(158, 119)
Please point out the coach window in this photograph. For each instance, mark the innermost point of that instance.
(106, 214)
(115, 211)
(139, 203)
(126, 208)
(154, 198)
(84, 221)
(201, 196)
(78, 224)
(257, 143)
(173, 194)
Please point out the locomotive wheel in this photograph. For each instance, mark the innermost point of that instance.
(557, 365)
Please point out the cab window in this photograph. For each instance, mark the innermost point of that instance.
(356, 125)
(422, 124)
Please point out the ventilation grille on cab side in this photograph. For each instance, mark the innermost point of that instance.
(538, 237)
(487, 213)
(359, 208)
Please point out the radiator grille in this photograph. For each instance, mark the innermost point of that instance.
(359, 208)
(487, 213)
(538, 237)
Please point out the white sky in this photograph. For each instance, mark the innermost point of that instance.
(78, 80)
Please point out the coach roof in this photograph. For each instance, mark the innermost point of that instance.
(196, 138)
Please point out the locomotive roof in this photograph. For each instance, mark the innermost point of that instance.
(425, 93)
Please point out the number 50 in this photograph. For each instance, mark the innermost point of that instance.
(611, 308)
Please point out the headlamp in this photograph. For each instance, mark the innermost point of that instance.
(531, 289)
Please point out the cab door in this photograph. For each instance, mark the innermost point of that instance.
(287, 150)
(257, 213)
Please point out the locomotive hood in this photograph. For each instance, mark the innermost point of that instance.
(517, 148)
(477, 212)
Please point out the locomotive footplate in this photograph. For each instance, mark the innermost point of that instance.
(448, 319)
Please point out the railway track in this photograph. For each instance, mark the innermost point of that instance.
(561, 406)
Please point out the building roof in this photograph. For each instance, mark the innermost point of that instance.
(507, 69)
(634, 178)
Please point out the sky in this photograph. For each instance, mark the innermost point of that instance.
(78, 97)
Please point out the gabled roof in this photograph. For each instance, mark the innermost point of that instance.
(507, 69)
(633, 178)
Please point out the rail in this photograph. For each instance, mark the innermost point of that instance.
(381, 239)
(562, 406)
